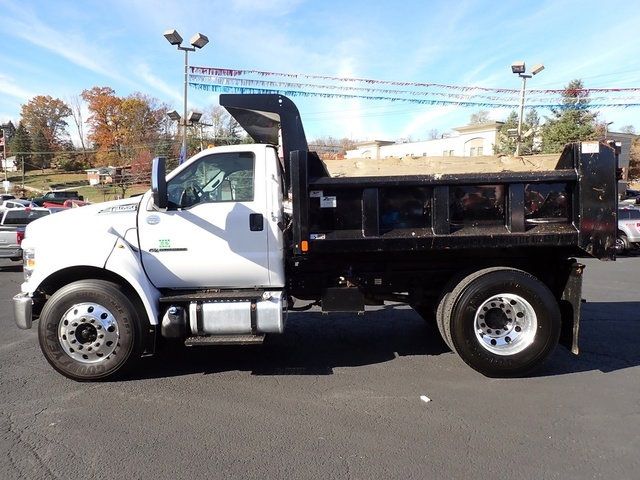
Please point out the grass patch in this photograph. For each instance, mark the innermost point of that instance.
(50, 179)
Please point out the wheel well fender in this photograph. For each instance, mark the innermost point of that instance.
(138, 294)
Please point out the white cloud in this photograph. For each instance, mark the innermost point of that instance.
(420, 123)
(9, 86)
(144, 71)
(24, 24)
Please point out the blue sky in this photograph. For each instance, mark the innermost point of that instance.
(59, 48)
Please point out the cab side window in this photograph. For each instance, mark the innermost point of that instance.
(221, 177)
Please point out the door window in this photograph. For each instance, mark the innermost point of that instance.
(221, 177)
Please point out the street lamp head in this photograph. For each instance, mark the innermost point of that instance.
(537, 69)
(173, 37)
(173, 115)
(194, 117)
(518, 67)
(199, 40)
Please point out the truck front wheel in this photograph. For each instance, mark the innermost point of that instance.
(89, 330)
(502, 322)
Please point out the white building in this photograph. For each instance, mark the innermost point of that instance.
(10, 164)
(469, 141)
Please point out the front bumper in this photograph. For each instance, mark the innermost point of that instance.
(22, 310)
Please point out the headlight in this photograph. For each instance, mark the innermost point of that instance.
(28, 262)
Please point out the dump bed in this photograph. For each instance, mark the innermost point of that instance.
(566, 201)
(428, 204)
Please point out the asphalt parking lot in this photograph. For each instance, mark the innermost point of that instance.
(335, 397)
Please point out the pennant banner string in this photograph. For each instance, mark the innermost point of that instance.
(229, 72)
(422, 101)
(198, 78)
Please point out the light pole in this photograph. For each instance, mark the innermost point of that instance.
(192, 119)
(606, 130)
(520, 69)
(197, 41)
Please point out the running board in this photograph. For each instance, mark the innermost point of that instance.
(224, 340)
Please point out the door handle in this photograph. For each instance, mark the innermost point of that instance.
(256, 222)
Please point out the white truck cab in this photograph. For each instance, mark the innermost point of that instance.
(220, 227)
(218, 234)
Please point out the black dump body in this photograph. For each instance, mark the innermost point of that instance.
(571, 208)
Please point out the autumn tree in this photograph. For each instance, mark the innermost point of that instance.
(104, 123)
(121, 127)
(572, 122)
(47, 115)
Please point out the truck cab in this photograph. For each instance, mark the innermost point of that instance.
(220, 226)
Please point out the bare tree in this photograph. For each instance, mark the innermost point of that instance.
(75, 104)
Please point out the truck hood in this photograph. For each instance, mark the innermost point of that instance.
(114, 217)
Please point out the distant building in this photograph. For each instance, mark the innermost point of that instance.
(469, 141)
(10, 164)
(104, 175)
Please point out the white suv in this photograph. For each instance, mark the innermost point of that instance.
(628, 229)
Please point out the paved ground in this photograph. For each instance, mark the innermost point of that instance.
(334, 399)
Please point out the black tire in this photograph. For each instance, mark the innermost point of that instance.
(440, 319)
(622, 244)
(470, 294)
(122, 351)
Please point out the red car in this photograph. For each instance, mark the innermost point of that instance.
(71, 203)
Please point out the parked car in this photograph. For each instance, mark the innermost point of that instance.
(71, 203)
(16, 203)
(631, 197)
(57, 197)
(13, 222)
(628, 229)
(6, 196)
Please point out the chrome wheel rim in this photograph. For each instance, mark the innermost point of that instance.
(505, 324)
(88, 333)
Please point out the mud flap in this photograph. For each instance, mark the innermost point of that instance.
(570, 303)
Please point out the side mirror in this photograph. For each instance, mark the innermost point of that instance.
(159, 182)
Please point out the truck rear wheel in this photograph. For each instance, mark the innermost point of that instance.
(502, 322)
(89, 330)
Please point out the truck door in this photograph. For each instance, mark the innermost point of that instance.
(214, 232)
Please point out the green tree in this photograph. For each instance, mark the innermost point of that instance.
(20, 145)
(573, 122)
(634, 160)
(40, 148)
(506, 144)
